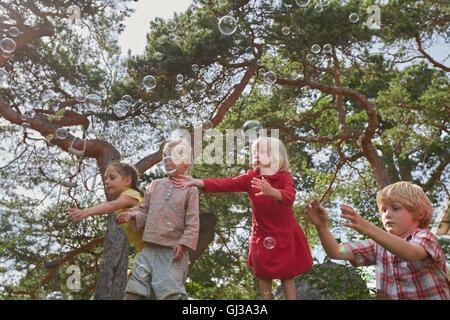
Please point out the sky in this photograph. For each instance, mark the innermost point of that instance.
(138, 24)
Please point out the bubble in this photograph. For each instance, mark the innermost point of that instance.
(342, 249)
(121, 108)
(286, 31)
(61, 133)
(194, 67)
(178, 87)
(252, 124)
(169, 165)
(173, 37)
(310, 57)
(180, 78)
(13, 32)
(315, 48)
(161, 39)
(207, 125)
(171, 25)
(90, 133)
(93, 102)
(227, 25)
(269, 243)
(3, 78)
(8, 45)
(127, 98)
(327, 48)
(80, 94)
(295, 75)
(261, 72)
(353, 17)
(158, 55)
(301, 3)
(149, 82)
(270, 77)
(84, 77)
(318, 8)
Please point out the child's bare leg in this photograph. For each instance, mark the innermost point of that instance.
(265, 285)
(289, 289)
(127, 298)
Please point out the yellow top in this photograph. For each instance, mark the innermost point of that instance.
(134, 237)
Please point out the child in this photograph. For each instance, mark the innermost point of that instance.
(121, 182)
(409, 261)
(278, 247)
(171, 220)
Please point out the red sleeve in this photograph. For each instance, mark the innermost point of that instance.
(287, 190)
(236, 184)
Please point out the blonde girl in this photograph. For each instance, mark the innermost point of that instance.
(278, 247)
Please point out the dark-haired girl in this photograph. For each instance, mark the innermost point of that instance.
(121, 182)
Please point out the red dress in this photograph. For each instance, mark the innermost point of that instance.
(291, 255)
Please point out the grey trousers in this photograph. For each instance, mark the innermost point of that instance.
(156, 277)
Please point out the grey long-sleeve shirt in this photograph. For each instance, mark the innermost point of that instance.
(170, 215)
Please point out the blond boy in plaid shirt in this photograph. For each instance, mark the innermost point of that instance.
(409, 262)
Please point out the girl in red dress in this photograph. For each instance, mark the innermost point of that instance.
(278, 247)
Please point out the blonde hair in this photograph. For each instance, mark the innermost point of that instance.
(276, 150)
(174, 147)
(411, 196)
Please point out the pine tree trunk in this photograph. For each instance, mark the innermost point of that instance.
(112, 278)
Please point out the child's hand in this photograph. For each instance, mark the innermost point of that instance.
(76, 214)
(177, 252)
(124, 217)
(357, 222)
(316, 213)
(183, 181)
(263, 186)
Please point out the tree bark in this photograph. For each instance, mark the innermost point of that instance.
(112, 277)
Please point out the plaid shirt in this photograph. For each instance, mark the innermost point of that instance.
(398, 279)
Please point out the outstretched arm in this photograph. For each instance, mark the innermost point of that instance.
(228, 184)
(124, 201)
(187, 181)
(319, 217)
(391, 242)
